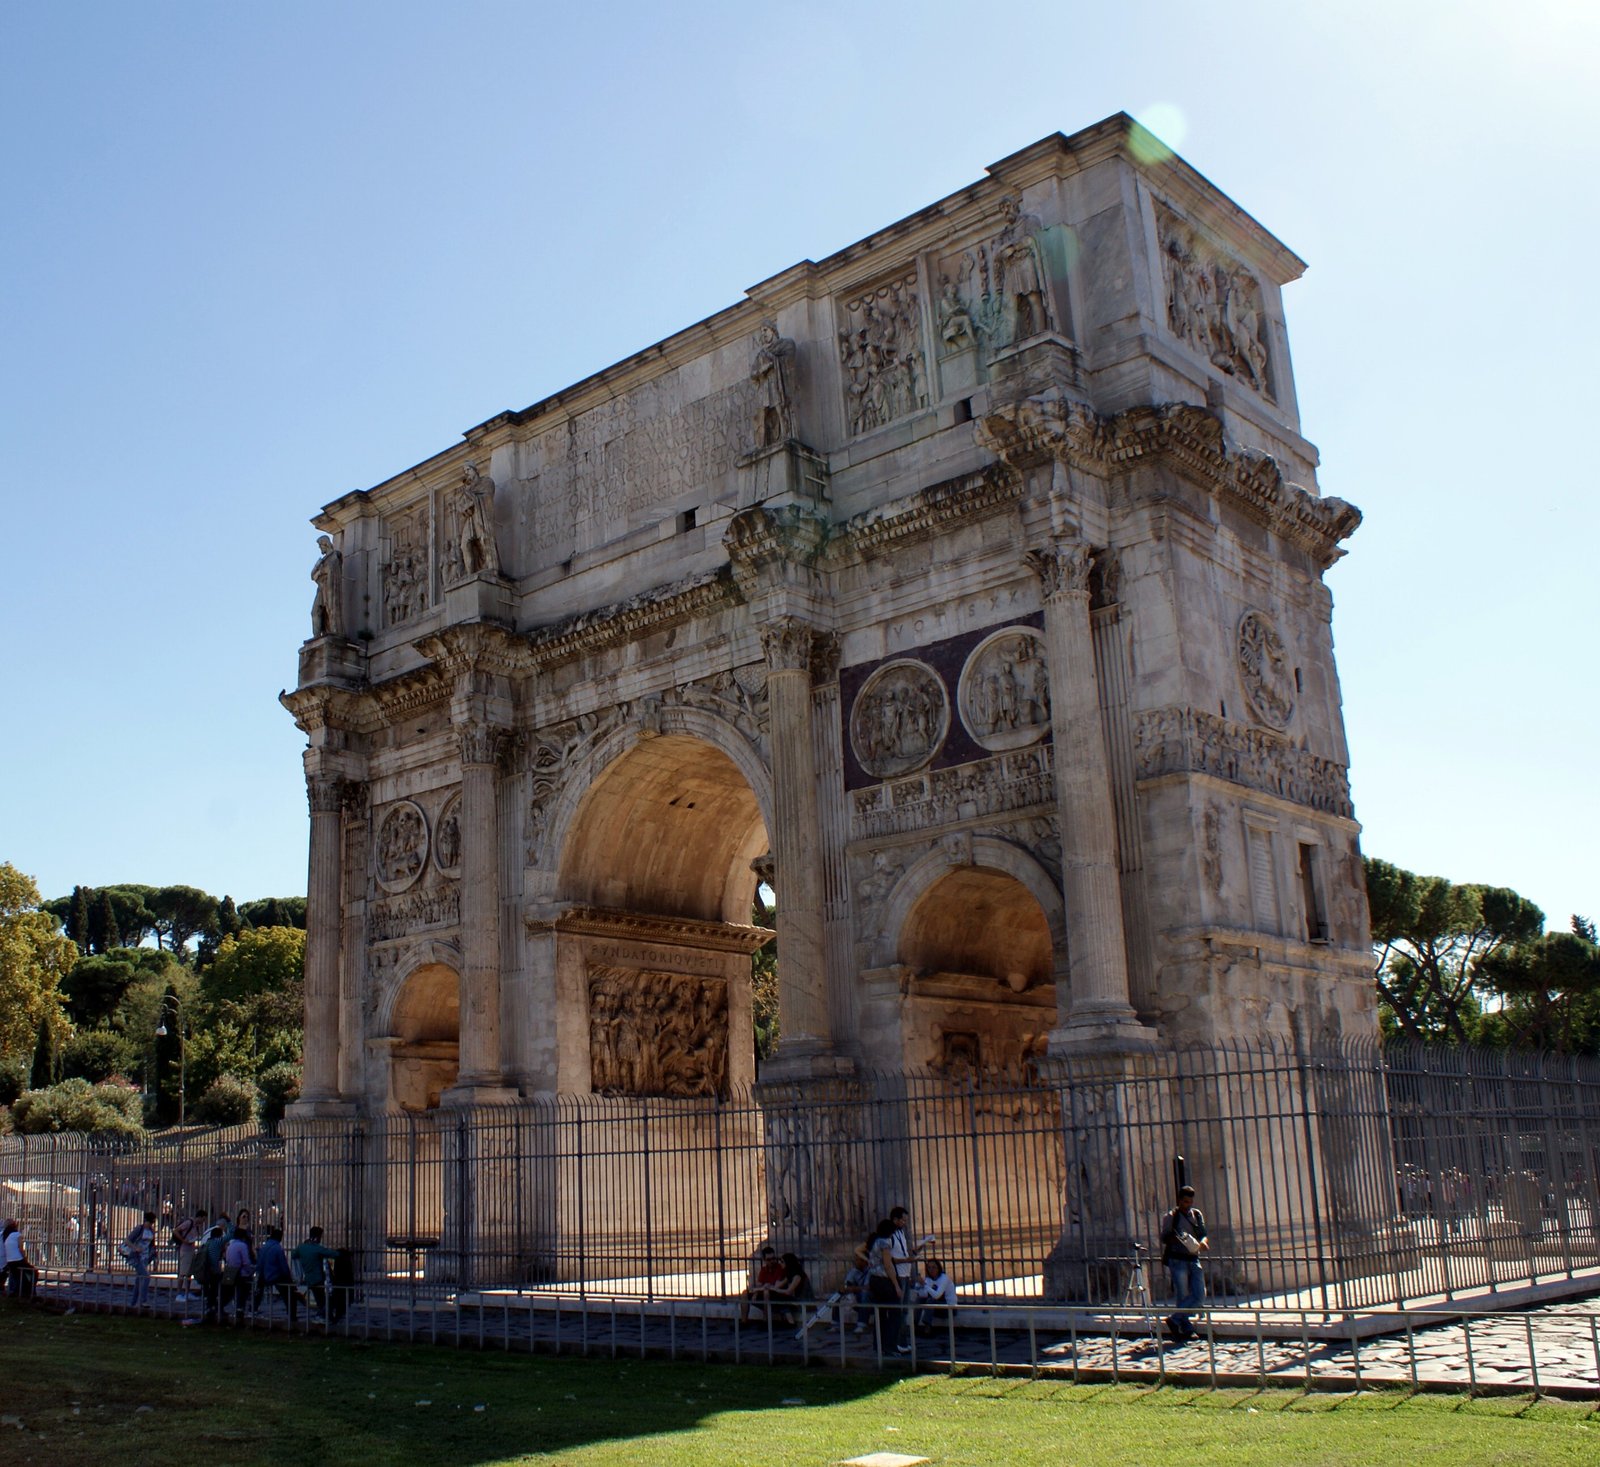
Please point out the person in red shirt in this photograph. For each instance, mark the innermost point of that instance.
(763, 1288)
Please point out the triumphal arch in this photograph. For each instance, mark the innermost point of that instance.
(966, 586)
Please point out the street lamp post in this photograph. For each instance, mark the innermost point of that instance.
(183, 1053)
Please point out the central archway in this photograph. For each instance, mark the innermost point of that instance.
(656, 867)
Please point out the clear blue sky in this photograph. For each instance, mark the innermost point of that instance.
(256, 256)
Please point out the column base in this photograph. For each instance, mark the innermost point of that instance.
(805, 1059)
(320, 1110)
(470, 1093)
(1102, 1031)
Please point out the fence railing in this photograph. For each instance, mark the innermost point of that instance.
(1331, 1180)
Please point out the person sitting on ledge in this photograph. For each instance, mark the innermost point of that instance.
(769, 1274)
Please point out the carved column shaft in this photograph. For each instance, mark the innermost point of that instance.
(797, 840)
(1091, 886)
(324, 917)
(480, 907)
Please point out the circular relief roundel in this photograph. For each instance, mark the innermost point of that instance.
(1005, 690)
(1264, 671)
(402, 846)
(900, 719)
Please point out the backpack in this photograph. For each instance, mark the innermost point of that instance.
(132, 1246)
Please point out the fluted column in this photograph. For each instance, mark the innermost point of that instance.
(1090, 882)
(480, 905)
(324, 918)
(804, 1027)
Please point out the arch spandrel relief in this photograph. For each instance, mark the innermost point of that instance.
(900, 719)
(1004, 693)
(402, 846)
(447, 838)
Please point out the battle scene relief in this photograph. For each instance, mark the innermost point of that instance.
(656, 1033)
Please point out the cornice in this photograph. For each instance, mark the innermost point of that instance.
(477, 647)
(623, 621)
(726, 937)
(991, 490)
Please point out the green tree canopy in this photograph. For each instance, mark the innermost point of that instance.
(275, 912)
(1550, 986)
(259, 960)
(34, 957)
(96, 985)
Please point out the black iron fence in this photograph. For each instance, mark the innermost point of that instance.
(1332, 1180)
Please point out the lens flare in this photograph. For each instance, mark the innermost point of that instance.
(1165, 124)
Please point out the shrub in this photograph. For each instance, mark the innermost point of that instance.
(229, 1101)
(280, 1085)
(76, 1105)
(97, 1054)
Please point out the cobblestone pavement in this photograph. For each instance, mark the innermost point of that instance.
(1554, 1348)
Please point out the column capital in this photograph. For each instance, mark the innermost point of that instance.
(325, 793)
(482, 741)
(789, 643)
(1064, 567)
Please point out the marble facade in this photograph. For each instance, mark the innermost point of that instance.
(968, 582)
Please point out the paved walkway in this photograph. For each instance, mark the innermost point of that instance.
(1555, 1349)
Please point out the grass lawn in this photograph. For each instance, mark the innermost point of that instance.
(84, 1389)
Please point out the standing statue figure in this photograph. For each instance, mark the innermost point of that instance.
(1022, 272)
(772, 369)
(327, 611)
(475, 508)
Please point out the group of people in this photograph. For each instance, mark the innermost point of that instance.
(227, 1266)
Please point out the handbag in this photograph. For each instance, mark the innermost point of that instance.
(1187, 1242)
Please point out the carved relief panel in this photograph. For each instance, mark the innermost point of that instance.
(406, 582)
(402, 847)
(657, 1033)
(880, 349)
(996, 292)
(1214, 304)
(1264, 671)
(900, 719)
(447, 838)
(1005, 690)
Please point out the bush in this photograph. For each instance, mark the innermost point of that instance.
(229, 1101)
(280, 1085)
(76, 1105)
(97, 1054)
(13, 1078)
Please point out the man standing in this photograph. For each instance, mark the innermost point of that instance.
(139, 1248)
(1183, 1241)
(902, 1251)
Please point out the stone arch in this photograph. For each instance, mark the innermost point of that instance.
(591, 764)
(415, 957)
(421, 1023)
(988, 853)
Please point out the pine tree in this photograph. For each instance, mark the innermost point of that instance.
(272, 916)
(78, 917)
(229, 922)
(44, 1058)
(102, 930)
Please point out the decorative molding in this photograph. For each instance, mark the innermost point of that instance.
(1018, 780)
(624, 621)
(395, 917)
(1187, 741)
(1063, 567)
(926, 514)
(624, 926)
(773, 544)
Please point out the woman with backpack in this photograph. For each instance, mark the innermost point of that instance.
(139, 1249)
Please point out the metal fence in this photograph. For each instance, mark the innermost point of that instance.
(1332, 1181)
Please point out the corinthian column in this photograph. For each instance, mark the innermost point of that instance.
(324, 918)
(1090, 883)
(480, 906)
(803, 1023)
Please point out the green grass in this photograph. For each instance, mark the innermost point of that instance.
(72, 1389)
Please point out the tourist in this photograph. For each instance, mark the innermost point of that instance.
(238, 1273)
(310, 1258)
(185, 1234)
(904, 1254)
(139, 1251)
(208, 1266)
(841, 1303)
(936, 1289)
(15, 1268)
(883, 1286)
(1183, 1241)
(273, 1272)
(768, 1276)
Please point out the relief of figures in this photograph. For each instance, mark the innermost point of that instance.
(657, 1033)
(772, 371)
(998, 292)
(405, 572)
(899, 720)
(880, 347)
(1005, 690)
(447, 839)
(402, 846)
(1214, 305)
(1264, 670)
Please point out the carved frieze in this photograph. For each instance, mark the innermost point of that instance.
(1009, 781)
(1214, 304)
(394, 917)
(406, 592)
(447, 838)
(1004, 692)
(1186, 740)
(657, 1033)
(402, 846)
(880, 349)
(555, 753)
(900, 718)
(1264, 671)
(997, 292)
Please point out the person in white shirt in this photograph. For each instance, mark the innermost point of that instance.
(13, 1257)
(936, 1288)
